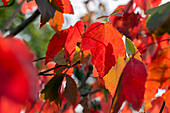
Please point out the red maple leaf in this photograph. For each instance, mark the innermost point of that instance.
(105, 44)
(66, 38)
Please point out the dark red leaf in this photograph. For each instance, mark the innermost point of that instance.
(133, 82)
(125, 25)
(71, 91)
(131, 86)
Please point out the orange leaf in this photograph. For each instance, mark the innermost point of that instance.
(57, 22)
(126, 109)
(156, 106)
(158, 75)
(167, 99)
(105, 44)
(28, 6)
(112, 78)
(164, 44)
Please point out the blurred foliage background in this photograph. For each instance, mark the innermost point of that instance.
(36, 38)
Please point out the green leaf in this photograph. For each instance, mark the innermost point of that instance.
(52, 89)
(59, 58)
(130, 48)
(158, 16)
(71, 91)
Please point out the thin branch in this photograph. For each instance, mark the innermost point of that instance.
(163, 105)
(8, 5)
(43, 72)
(39, 59)
(143, 48)
(9, 22)
(24, 24)
(92, 92)
(47, 74)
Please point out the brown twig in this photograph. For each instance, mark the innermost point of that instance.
(39, 59)
(163, 105)
(19, 28)
(43, 72)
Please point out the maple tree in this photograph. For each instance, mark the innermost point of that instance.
(119, 64)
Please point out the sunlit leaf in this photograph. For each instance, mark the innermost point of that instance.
(57, 22)
(112, 78)
(105, 44)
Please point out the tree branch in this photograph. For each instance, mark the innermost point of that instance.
(19, 28)
(38, 59)
(43, 72)
(163, 105)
